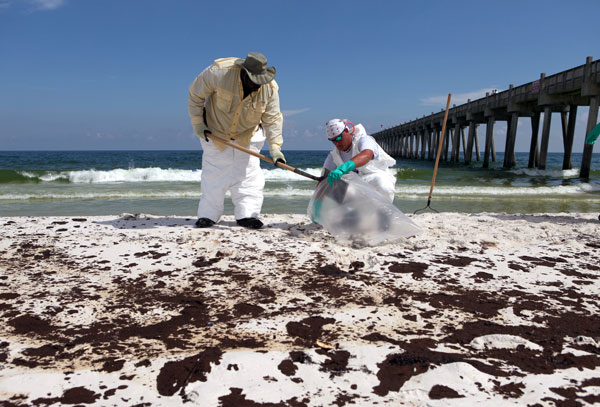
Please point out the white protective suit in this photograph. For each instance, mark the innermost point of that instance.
(375, 172)
(217, 94)
(235, 171)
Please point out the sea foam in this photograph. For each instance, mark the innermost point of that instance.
(499, 191)
(153, 174)
(534, 172)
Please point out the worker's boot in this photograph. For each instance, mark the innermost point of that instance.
(204, 223)
(250, 223)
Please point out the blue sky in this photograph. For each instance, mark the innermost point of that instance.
(114, 74)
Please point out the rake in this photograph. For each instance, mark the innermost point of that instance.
(437, 159)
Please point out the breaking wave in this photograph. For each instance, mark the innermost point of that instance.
(136, 175)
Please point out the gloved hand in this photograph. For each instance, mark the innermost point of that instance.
(336, 174)
(317, 205)
(199, 130)
(277, 156)
(593, 135)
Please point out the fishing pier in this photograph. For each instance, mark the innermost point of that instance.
(563, 93)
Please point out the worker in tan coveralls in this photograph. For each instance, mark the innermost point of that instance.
(237, 100)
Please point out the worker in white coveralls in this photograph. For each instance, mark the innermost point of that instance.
(237, 100)
(356, 151)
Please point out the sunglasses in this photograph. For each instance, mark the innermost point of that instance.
(335, 139)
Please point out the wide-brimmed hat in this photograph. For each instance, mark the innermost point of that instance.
(255, 65)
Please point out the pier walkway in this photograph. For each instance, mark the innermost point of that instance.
(563, 92)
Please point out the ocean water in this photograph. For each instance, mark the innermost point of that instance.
(41, 183)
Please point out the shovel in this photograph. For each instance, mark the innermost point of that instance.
(263, 157)
(337, 193)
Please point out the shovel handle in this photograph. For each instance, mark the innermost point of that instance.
(263, 157)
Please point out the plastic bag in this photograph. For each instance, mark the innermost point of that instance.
(352, 210)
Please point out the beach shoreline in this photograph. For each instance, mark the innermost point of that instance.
(147, 310)
(90, 183)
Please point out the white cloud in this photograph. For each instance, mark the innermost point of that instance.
(500, 129)
(288, 113)
(4, 4)
(309, 134)
(457, 99)
(582, 116)
(47, 4)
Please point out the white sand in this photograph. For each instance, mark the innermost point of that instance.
(487, 308)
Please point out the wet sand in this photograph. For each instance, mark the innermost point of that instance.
(148, 311)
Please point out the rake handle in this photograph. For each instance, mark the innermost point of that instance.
(439, 151)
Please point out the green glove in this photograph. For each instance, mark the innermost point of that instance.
(593, 135)
(317, 205)
(277, 156)
(336, 174)
(199, 130)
